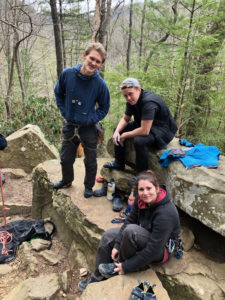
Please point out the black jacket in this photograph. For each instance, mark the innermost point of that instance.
(164, 126)
(161, 220)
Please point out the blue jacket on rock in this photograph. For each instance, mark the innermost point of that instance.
(77, 96)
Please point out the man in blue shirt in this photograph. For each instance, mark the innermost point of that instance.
(82, 97)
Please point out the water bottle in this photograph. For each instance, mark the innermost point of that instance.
(111, 189)
(130, 201)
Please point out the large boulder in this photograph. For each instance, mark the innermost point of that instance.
(120, 287)
(26, 148)
(44, 287)
(80, 223)
(199, 192)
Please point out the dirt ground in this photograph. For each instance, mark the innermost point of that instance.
(20, 191)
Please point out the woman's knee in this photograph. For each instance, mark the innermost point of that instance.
(109, 235)
(130, 230)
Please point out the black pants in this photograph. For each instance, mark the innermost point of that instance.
(133, 240)
(141, 145)
(70, 143)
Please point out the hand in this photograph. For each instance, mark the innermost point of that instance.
(116, 138)
(122, 139)
(119, 269)
(114, 254)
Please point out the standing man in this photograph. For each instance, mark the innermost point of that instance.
(153, 125)
(78, 91)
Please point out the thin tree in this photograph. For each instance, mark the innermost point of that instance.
(129, 36)
(57, 36)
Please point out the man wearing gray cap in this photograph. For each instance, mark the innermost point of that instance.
(153, 125)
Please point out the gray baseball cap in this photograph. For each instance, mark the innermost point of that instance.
(130, 82)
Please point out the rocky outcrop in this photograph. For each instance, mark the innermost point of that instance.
(26, 148)
(193, 277)
(17, 192)
(120, 287)
(199, 192)
(41, 288)
(80, 223)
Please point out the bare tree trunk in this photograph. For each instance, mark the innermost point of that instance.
(184, 72)
(62, 34)
(18, 66)
(101, 20)
(142, 32)
(58, 44)
(17, 10)
(129, 36)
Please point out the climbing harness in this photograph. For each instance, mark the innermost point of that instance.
(175, 246)
(75, 134)
(5, 237)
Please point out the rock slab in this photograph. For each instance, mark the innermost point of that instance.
(39, 288)
(26, 148)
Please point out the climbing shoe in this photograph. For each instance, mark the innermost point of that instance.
(61, 185)
(143, 291)
(132, 181)
(117, 202)
(83, 284)
(114, 165)
(107, 270)
(88, 192)
(100, 192)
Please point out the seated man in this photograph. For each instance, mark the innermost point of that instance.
(153, 125)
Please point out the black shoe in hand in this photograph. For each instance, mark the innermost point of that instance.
(107, 270)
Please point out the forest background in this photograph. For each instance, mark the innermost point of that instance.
(175, 49)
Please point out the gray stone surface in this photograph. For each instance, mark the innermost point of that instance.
(193, 277)
(187, 237)
(80, 223)
(27, 259)
(39, 244)
(120, 287)
(51, 257)
(39, 288)
(199, 192)
(66, 279)
(4, 269)
(26, 148)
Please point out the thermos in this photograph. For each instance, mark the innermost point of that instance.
(111, 189)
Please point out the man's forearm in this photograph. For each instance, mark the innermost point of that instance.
(121, 125)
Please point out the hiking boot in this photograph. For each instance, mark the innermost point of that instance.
(61, 185)
(117, 202)
(100, 192)
(132, 181)
(107, 270)
(88, 192)
(114, 165)
(83, 284)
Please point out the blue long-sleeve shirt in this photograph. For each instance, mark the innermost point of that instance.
(77, 95)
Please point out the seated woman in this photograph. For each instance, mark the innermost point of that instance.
(142, 239)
